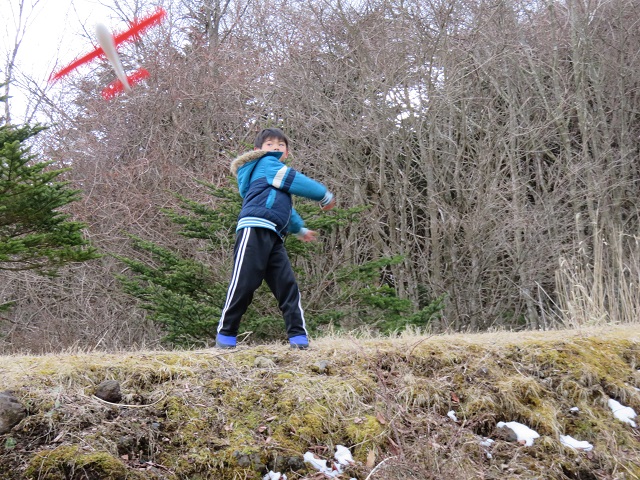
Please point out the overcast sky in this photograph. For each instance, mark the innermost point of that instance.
(54, 36)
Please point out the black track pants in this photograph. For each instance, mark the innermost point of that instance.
(260, 255)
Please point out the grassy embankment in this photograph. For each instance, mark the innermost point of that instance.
(234, 415)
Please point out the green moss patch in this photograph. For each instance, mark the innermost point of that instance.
(70, 463)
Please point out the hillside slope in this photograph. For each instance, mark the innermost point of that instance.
(407, 408)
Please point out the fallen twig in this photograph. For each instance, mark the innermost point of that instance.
(377, 467)
(130, 406)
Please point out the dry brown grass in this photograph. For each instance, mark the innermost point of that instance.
(225, 415)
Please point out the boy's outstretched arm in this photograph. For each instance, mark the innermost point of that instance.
(290, 180)
(296, 225)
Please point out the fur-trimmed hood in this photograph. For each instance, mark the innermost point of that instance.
(248, 157)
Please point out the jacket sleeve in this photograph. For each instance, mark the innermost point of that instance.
(296, 224)
(289, 180)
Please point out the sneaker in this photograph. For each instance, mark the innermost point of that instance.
(224, 341)
(300, 341)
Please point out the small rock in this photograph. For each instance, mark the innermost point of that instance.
(256, 463)
(11, 412)
(289, 463)
(252, 461)
(126, 444)
(507, 434)
(263, 362)
(296, 463)
(322, 367)
(109, 391)
(243, 459)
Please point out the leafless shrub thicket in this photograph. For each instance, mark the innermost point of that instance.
(495, 144)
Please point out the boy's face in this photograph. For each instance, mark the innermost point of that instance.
(275, 145)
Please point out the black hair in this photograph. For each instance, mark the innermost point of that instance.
(267, 133)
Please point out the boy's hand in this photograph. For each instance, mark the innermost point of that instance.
(309, 236)
(329, 205)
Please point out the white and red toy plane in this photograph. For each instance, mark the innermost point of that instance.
(108, 43)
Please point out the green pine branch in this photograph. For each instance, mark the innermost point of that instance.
(35, 233)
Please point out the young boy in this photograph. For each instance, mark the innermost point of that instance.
(267, 215)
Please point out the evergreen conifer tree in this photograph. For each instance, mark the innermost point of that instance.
(35, 234)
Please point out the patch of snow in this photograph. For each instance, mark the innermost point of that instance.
(452, 415)
(316, 462)
(523, 433)
(487, 442)
(343, 455)
(569, 441)
(622, 413)
(274, 476)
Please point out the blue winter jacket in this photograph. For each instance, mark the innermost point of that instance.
(266, 185)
